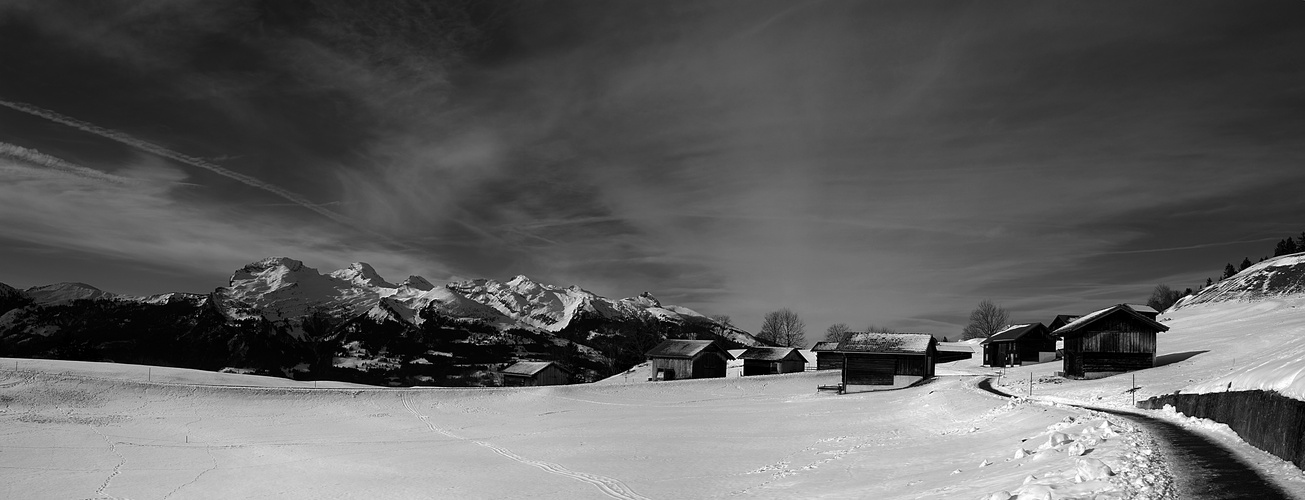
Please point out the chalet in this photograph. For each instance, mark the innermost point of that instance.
(1019, 344)
(1113, 340)
(887, 360)
(531, 373)
(1145, 310)
(827, 356)
(772, 360)
(678, 359)
(1062, 320)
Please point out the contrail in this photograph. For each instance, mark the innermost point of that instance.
(167, 153)
(34, 157)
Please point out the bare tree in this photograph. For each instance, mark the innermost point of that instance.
(783, 328)
(723, 319)
(986, 319)
(1162, 297)
(837, 332)
(879, 329)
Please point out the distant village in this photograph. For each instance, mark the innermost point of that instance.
(1113, 340)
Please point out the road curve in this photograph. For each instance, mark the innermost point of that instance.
(1203, 469)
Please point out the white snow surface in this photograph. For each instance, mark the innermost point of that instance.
(88, 430)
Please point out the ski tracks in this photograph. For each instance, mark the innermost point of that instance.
(613, 488)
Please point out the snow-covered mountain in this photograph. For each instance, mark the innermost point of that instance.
(1282, 276)
(282, 288)
(279, 316)
(63, 293)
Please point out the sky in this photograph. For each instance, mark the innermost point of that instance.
(869, 163)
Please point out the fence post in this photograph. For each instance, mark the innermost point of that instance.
(1030, 383)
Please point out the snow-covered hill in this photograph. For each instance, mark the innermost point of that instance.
(1282, 276)
(63, 293)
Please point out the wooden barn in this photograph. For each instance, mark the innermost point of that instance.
(1062, 320)
(679, 359)
(827, 356)
(1019, 344)
(772, 360)
(1113, 340)
(887, 360)
(531, 373)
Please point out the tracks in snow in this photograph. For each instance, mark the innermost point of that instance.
(613, 488)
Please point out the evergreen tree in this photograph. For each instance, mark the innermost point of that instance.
(1228, 271)
(1208, 282)
(1246, 262)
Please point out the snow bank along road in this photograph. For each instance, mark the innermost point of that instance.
(1203, 468)
(99, 436)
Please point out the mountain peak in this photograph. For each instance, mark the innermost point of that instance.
(60, 293)
(417, 282)
(362, 273)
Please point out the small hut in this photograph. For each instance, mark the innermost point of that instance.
(531, 373)
(1113, 340)
(679, 359)
(827, 356)
(1019, 344)
(887, 360)
(772, 360)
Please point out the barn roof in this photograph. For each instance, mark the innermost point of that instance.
(825, 346)
(772, 354)
(1142, 308)
(1014, 332)
(529, 368)
(905, 343)
(1093, 316)
(675, 348)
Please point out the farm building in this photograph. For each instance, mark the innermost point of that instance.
(1113, 340)
(1062, 320)
(827, 356)
(531, 373)
(954, 351)
(887, 360)
(1019, 344)
(772, 360)
(678, 359)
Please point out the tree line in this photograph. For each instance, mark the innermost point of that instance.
(1162, 296)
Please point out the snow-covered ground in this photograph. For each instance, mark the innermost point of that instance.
(75, 430)
(1250, 345)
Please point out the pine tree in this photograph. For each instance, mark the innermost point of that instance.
(1246, 262)
(1228, 271)
(1208, 282)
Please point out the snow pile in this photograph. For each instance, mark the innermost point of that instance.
(1089, 457)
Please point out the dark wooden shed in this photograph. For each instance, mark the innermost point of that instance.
(772, 360)
(887, 359)
(678, 359)
(531, 373)
(827, 356)
(1113, 340)
(1019, 344)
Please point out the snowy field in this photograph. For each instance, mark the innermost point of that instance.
(84, 430)
(1209, 347)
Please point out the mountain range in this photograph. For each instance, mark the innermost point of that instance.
(279, 316)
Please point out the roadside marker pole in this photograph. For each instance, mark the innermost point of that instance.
(1030, 383)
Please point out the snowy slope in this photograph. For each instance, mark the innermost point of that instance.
(1277, 277)
(63, 293)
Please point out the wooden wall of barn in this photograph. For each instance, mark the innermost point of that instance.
(682, 367)
(829, 360)
(759, 367)
(552, 376)
(708, 365)
(1111, 345)
(879, 368)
